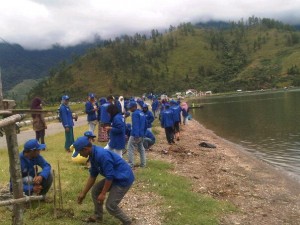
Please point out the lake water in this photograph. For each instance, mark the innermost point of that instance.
(266, 124)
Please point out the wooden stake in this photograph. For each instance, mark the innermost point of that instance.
(29, 189)
(15, 170)
(54, 195)
(35, 174)
(20, 200)
(60, 190)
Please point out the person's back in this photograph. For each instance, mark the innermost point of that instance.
(167, 118)
(104, 117)
(138, 124)
(120, 172)
(177, 112)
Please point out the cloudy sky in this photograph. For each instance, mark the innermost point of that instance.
(37, 24)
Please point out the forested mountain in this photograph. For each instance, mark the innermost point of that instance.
(18, 64)
(252, 54)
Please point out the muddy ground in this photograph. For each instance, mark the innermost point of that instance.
(261, 193)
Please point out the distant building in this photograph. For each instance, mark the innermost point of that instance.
(191, 92)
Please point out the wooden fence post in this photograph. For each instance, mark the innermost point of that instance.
(15, 172)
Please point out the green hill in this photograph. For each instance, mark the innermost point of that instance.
(250, 55)
(20, 91)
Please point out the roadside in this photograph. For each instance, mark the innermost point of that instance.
(261, 193)
(52, 128)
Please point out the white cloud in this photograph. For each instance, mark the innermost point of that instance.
(41, 23)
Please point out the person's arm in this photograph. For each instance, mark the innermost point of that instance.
(118, 126)
(63, 116)
(89, 184)
(151, 117)
(44, 173)
(105, 189)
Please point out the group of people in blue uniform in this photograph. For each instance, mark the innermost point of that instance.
(110, 114)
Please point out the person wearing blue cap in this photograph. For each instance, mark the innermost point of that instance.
(90, 135)
(155, 106)
(149, 117)
(65, 114)
(139, 127)
(91, 108)
(118, 178)
(177, 118)
(167, 122)
(34, 181)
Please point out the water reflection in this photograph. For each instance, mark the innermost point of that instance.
(266, 124)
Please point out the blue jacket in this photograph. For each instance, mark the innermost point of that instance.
(27, 168)
(104, 115)
(111, 166)
(149, 118)
(89, 110)
(167, 119)
(150, 135)
(138, 121)
(177, 112)
(65, 115)
(117, 133)
(155, 105)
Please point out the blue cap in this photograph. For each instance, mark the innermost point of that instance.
(79, 144)
(33, 144)
(102, 100)
(145, 105)
(173, 102)
(132, 104)
(91, 95)
(65, 97)
(167, 105)
(89, 134)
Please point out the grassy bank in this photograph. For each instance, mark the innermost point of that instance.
(179, 204)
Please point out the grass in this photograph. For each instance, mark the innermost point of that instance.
(180, 204)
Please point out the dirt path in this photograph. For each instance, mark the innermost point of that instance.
(53, 128)
(261, 193)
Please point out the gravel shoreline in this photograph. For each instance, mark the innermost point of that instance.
(261, 193)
